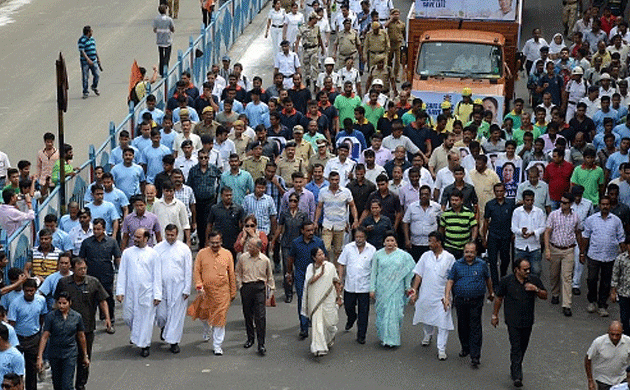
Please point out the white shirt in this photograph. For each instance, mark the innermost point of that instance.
(352, 75)
(344, 169)
(592, 106)
(382, 99)
(383, 7)
(276, 17)
(534, 221)
(216, 160)
(609, 361)
(180, 137)
(77, 235)
(392, 143)
(444, 178)
(576, 90)
(174, 212)
(4, 164)
(421, 222)
(532, 48)
(584, 209)
(372, 174)
(322, 75)
(358, 267)
(338, 21)
(434, 272)
(225, 149)
(184, 164)
(425, 176)
(287, 64)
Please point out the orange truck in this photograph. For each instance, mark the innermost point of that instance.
(453, 44)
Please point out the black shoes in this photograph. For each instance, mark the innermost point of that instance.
(474, 363)
(555, 300)
(361, 341)
(288, 298)
(463, 353)
(162, 334)
(518, 383)
(349, 326)
(303, 335)
(567, 311)
(248, 344)
(174, 348)
(145, 352)
(576, 291)
(261, 350)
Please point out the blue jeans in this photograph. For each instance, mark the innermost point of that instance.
(534, 257)
(299, 290)
(62, 370)
(85, 71)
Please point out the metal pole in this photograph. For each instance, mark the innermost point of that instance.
(62, 105)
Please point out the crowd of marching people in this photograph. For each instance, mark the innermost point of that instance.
(337, 183)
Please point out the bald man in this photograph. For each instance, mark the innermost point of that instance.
(607, 358)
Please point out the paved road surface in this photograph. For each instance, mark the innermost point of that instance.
(41, 28)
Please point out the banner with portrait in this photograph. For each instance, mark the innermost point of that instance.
(467, 9)
(433, 101)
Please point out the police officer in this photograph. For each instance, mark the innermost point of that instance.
(347, 45)
(376, 42)
(396, 30)
(311, 39)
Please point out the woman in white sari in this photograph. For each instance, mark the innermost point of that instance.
(321, 301)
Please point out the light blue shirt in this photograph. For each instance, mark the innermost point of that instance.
(48, 287)
(26, 314)
(237, 107)
(258, 114)
(613, 163)
(105, 210)
(116, 156)
(621, 130)
(9, 297)
(604, 236)
(128, 179)
(263, 209)
(598, 140)
(140, 142)
(314, 188)
(167, 139)
(66, 224)
(152, 158)
(11, 360)
(61, 240)
(241, 184)
(13, 339)
(157, 115)
(599, 116)
(192, 114)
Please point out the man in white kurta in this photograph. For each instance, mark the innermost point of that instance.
(172, 210)
(431, 276)
(139, 287)
(176, 260)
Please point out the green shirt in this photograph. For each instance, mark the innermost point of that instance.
(458, 227)
(516, 119)
(346, 106)
(55, 172)
(590, 179)
(373, 115)
(517, 135)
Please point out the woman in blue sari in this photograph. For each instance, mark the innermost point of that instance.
(390, 285)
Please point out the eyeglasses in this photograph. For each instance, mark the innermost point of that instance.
(293, 200)
(203, 158)
(250, 225)
(6, 386)
(527, 270)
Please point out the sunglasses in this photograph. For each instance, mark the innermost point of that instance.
(293, 200)
(203, 158)
(250, 225)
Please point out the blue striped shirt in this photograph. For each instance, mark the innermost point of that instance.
(469, 280)
(263, 209)
(88, 45)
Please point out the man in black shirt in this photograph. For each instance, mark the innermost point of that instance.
(360, 188)
(226, 217)
(579, 123)
(519, 291)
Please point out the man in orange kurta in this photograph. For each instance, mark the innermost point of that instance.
(214, 280)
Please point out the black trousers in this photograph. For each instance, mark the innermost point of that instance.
(203, 208)
(469, 324)
(288, 287)
(498, 247)
(110, 303)
(253, 297)
(519, 339)
(598, 271)
(165, 58)
(417, 251)
(624, 313)
(207, 16)
(84, 372)
(29, 346)
(350, 302)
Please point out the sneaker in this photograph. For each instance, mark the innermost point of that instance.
(591, 308)
(426, 340)
(576, 291)
(218, 351)
(474, 363)
(602, 312)
(567, 311)
(95, 90)
(85, 96)
(442, 355)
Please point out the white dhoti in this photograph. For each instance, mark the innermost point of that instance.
(176, 260)
(140, 282)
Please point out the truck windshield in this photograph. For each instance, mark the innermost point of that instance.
(456, 59)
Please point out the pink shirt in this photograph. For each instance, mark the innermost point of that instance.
(11, 218)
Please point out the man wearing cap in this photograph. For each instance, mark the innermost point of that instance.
(329, 66)
(287, 63)
(396, 30)
(207, 125)
(348, 44)
(256, 163)
(289, 163)
(575, 90)
(311, 39)
(606, 87)
(376, 42)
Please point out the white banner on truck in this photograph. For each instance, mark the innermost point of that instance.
(434, 100)
(467, 9)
